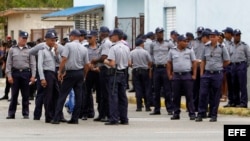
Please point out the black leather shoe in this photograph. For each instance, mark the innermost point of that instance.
(54, 122)
(111, 123)
(84, 118)
(148, 110)
(106, 119)
(155, 113)
(73, 121)
(63, 120)
(198, 119)
(47, 121)
(36, 118)
(124, 122)
(175, 117)
(241, 106)
(213, 119)
(192, 117)
(138, 110)
(170, 113)
(25, 117)
(97, 119)
(4, 97)
(229, 105)
(91, 115)
(10, 117)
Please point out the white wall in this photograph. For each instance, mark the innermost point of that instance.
(130, 8)
(190, 14)
(31, 21)
(153, 14)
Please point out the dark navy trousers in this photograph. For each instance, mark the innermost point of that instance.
(72, 79)
(104, 90)
(210, 90)
(118, 102)
(51, 93)
(92, 81)
(141, 85)
(230, 87)
(183, 83)
(196, 89)
(21, 82)
(160, 79)
(239, 80)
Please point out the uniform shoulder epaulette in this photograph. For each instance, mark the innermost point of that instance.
(113, 44)
(189, 47)
(243, 43)
(221, 45)
(166, 40)
(87, 46)
(207, 45)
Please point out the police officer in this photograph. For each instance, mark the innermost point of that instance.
(83, 39)
(39, 101)
(21, 70)
(92, 78)
(181, 61)
(159, 50)
(47, 74)
(118, 59)
(173, 37)
(240, 58)
(75, 61)
(141, 68)
(103, 106)
(229, 33)
(214, 58)
(150, 37)
(197, 47)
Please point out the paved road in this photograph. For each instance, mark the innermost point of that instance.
(142, 127)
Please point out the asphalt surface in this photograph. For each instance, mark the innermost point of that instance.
(142, 127)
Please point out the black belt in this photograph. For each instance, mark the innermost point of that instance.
(20, 70)
(213, 72)
(49, 71)
(160, 65)
(74, 70)
(103, 68)
(238, 63)
(121, 71)
(182, 73)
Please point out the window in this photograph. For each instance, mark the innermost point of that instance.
(170, 20)
(87, 22)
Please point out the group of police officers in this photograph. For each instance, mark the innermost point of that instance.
(169, 68)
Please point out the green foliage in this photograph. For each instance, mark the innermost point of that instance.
(6, 4)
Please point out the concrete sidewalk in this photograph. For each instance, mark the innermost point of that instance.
(222, 110)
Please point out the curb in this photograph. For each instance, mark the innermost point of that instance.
(244, 112)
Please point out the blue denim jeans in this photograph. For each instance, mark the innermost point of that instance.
(71, 101)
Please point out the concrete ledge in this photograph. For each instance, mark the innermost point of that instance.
(226, 111)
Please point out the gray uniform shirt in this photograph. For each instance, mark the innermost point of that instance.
(20, 59)
(76, 54)
(104, 48)
(46, 61)
(198, 48)
(159, 52)
(140, 58)
(181, 60)
(147, 44)
(214, 57)
(41, 46)
(93, 52)
(120, 53)
(240, 52)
